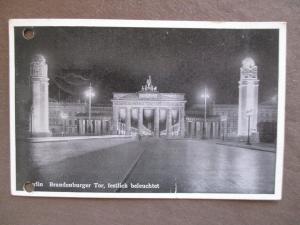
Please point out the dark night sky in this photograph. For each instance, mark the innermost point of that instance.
(179, 60)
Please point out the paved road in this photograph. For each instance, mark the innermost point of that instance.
(176, 165)
(202, 166)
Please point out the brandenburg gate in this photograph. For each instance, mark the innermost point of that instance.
(149, 112)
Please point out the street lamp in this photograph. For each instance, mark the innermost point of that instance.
(205, 96)
(89, 93)
(248, 113)
(64, 117)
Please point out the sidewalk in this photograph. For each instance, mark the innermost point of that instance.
(70, 138)
(254, 146)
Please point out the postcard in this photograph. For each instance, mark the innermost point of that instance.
(147, 109)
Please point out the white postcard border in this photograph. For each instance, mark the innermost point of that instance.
(281, 26)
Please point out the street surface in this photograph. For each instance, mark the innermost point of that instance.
(185, 166)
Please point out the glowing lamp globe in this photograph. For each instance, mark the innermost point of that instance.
(248, 62)
(39, 58)
(63, 115)
(89, 93)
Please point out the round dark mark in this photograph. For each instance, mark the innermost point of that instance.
(28, 33)
(28, 186)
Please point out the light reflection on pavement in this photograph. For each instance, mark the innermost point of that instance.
(184, 166)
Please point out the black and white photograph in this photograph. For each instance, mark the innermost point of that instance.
(147, 109)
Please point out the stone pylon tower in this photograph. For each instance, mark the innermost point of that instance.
(248, 99)
(40, 97)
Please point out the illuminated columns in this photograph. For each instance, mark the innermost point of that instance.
(248, 98)
(128, 121)
(98, 127)
(169, 122)
(198, 134)
(186, 128)
(81, 127)
(193, 126)
(156, 122)
(140, 120)
(102, 127)
(105, 127)
(115, 119)
(181, 121)
(40, 97)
